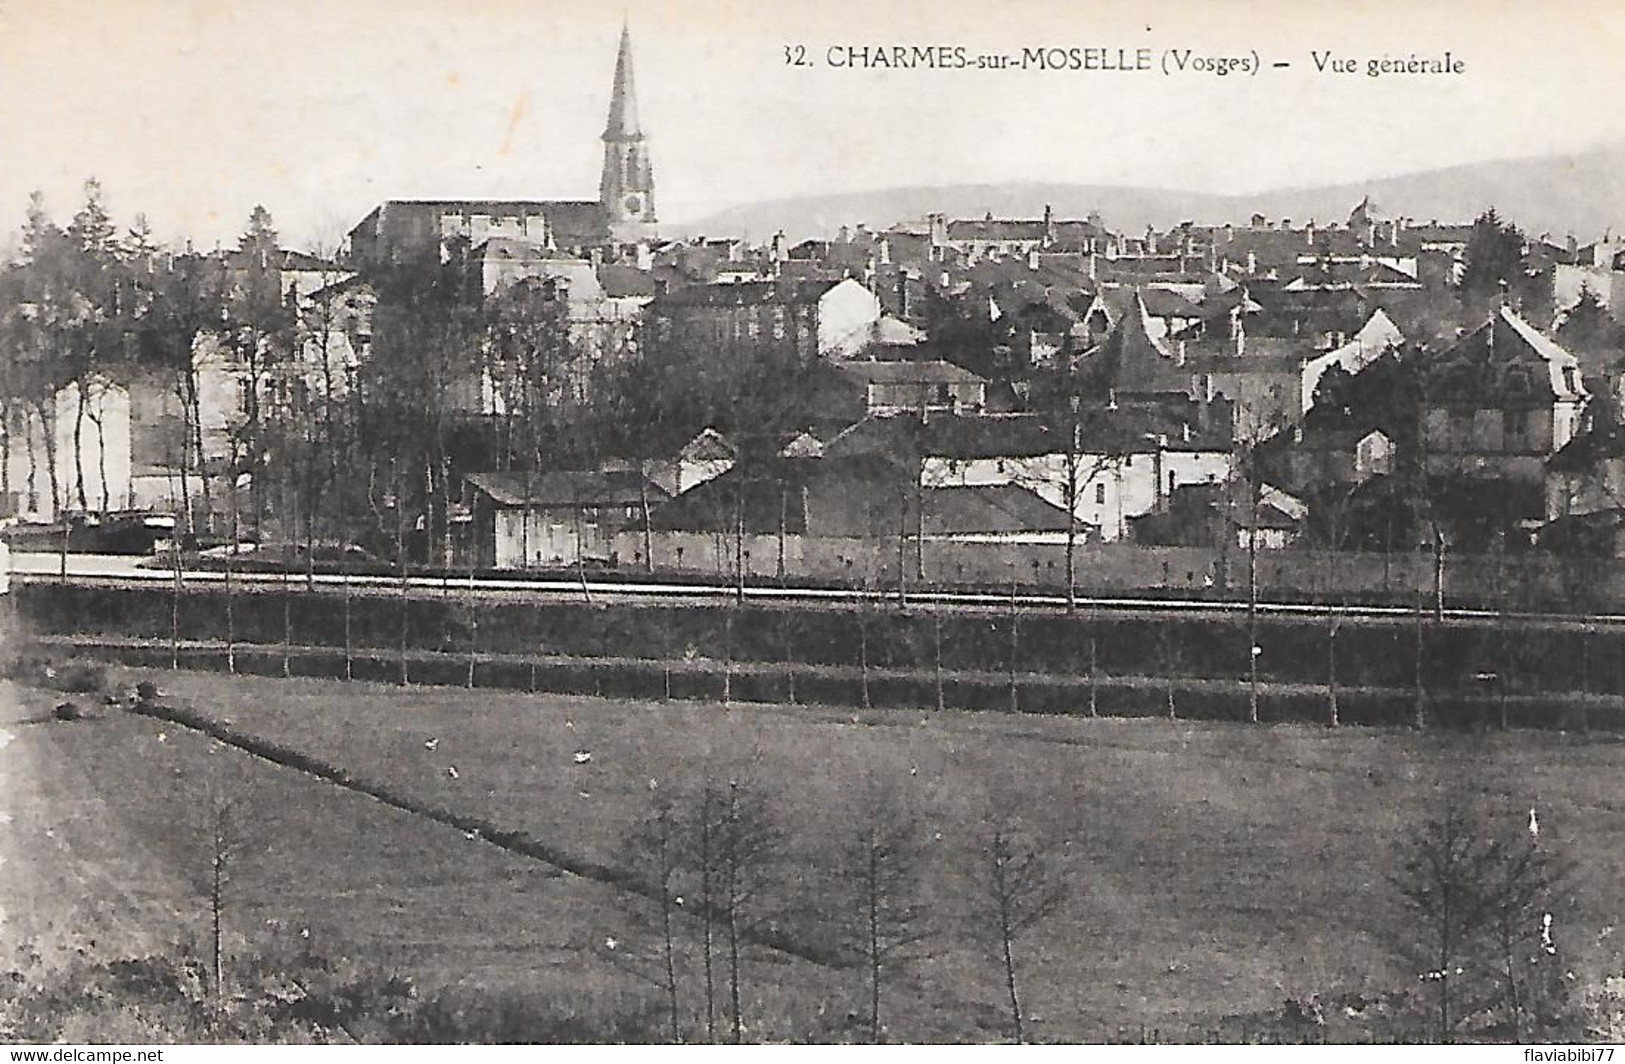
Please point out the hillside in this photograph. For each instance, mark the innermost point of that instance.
(1583, 193)
(1213, 871)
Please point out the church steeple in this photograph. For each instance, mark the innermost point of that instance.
(623, 99)
(626, 190)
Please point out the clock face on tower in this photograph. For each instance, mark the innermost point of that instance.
(633, 204)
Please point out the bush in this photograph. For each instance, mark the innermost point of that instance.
(81, 677)
(289, 997)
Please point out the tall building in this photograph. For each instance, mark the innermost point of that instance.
(623, 213)
(627, 188)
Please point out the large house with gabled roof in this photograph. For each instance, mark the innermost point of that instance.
(1501, 401)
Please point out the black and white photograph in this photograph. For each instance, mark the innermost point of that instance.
(701, 522)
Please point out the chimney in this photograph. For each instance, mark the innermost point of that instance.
(1309, 233)
(902, 294)
(645, 256)
(780, 252)
(885, 252)
(1093, 269)
(1049, 225)
(844, 234)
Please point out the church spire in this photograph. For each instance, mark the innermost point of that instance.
(626, 191)
(623, 99)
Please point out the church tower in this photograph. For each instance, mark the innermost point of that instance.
(627, 188)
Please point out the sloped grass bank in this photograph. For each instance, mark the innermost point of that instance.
(1216, 870)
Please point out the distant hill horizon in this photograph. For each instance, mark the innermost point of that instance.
(1582, 193)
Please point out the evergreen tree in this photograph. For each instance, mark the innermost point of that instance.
(92, 230)
(1495, 259)
(1587, 327)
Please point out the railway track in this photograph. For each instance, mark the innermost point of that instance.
(692, 593)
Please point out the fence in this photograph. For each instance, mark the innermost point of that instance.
(876, 652)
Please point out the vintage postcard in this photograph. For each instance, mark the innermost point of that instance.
(528, 521)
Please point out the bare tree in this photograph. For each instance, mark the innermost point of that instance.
(1170, 663)
(881, 865)
(400, 561)
(1094, 661)
(1526, 874)
(222, 844)
(1023, 889)
(655, 844)
(936, 639)
(1253, 649)
(728, 845)
(1015, 643)
(864, 605)
(1089, 446)
(1338, 511)
(1449, 859)
(789, 648)
(703, 837)
(750, 843)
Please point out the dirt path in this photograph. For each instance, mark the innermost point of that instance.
(69, 880)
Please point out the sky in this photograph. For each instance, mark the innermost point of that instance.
(193, 111)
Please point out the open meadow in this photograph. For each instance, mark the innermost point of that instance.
(1213, 871)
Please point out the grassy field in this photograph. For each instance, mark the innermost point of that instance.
(1215, 869)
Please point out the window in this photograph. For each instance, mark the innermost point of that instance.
(1100, 495)
(778, 323)
(1173, 480)
(1461, 429)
